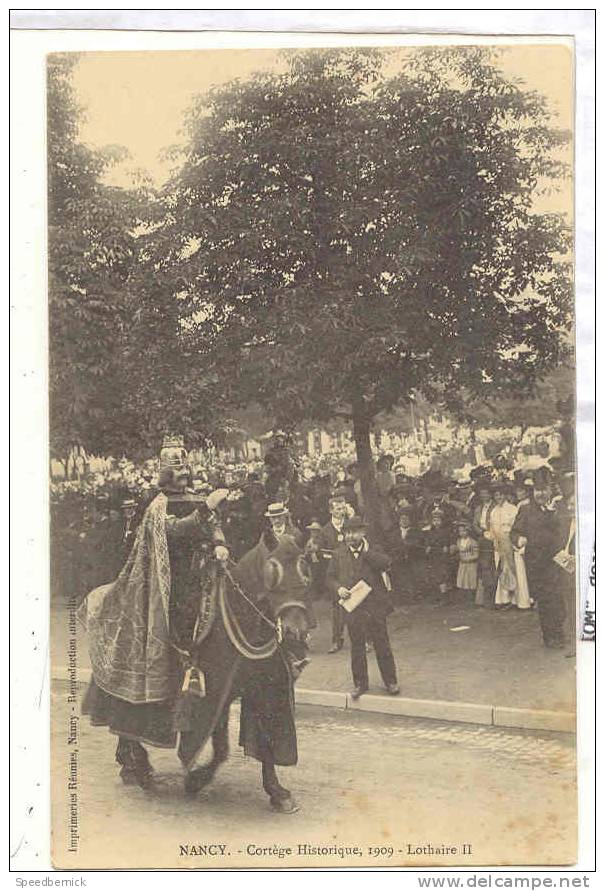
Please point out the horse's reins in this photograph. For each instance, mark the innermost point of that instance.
(275, 626)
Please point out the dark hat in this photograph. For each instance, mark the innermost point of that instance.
(314, 526)
(481, 472)
(542, 475)
(483, 483)
(567, 484)
(355, 524)
(405, 510)
(500, 486)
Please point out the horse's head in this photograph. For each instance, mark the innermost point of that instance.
(277, 571)
(286, 579)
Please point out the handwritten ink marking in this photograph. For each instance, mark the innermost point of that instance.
(589, 618)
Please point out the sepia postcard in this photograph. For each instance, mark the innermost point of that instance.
(312, 426)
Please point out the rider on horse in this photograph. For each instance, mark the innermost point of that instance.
(174, 640)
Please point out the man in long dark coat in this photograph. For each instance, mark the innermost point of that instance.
(538, 528)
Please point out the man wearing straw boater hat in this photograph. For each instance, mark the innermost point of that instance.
(280, 523)
(357, 566)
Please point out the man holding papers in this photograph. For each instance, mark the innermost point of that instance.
(355, 576)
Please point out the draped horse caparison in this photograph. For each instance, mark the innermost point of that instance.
(171, 650)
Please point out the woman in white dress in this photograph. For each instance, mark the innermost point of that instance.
(522, 594)
(501, 521)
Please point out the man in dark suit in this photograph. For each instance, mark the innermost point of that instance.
(354, 561)
(331, 535)
(538, 528)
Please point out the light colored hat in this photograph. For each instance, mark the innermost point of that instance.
(278, 509)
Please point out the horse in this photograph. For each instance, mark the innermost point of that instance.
(250, 642)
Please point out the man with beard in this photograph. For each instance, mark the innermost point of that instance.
(280, 526)
(354, 563)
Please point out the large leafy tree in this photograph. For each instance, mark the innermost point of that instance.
(551, 401)
(123, 368)
(342, 238)
(90, 254)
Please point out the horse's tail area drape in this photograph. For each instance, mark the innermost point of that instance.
(127, 621)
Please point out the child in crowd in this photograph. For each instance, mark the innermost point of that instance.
(437, 539)
(468, 555)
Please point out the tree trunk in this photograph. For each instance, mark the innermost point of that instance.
(367, 475)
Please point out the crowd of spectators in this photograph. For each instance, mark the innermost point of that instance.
(469, 534)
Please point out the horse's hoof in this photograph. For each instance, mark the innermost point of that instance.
(130, 777)
(197, 779)
(287, 805)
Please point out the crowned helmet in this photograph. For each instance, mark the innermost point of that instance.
(173, 453)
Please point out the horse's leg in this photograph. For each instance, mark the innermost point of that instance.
(281, 798)
(201, 776)
(134, 760)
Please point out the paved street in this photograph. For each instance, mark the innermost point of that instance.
(362, 778)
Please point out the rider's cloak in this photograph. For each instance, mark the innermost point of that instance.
(128, 620)
(133, 624)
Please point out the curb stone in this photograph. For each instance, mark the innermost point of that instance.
(534, 719)
(439, 710)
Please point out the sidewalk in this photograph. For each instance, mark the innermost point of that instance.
(494, 671)
(496, 660)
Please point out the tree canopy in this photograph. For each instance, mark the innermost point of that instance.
(342, 239)
(91, 247)
(121, 371)
(338, 238)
